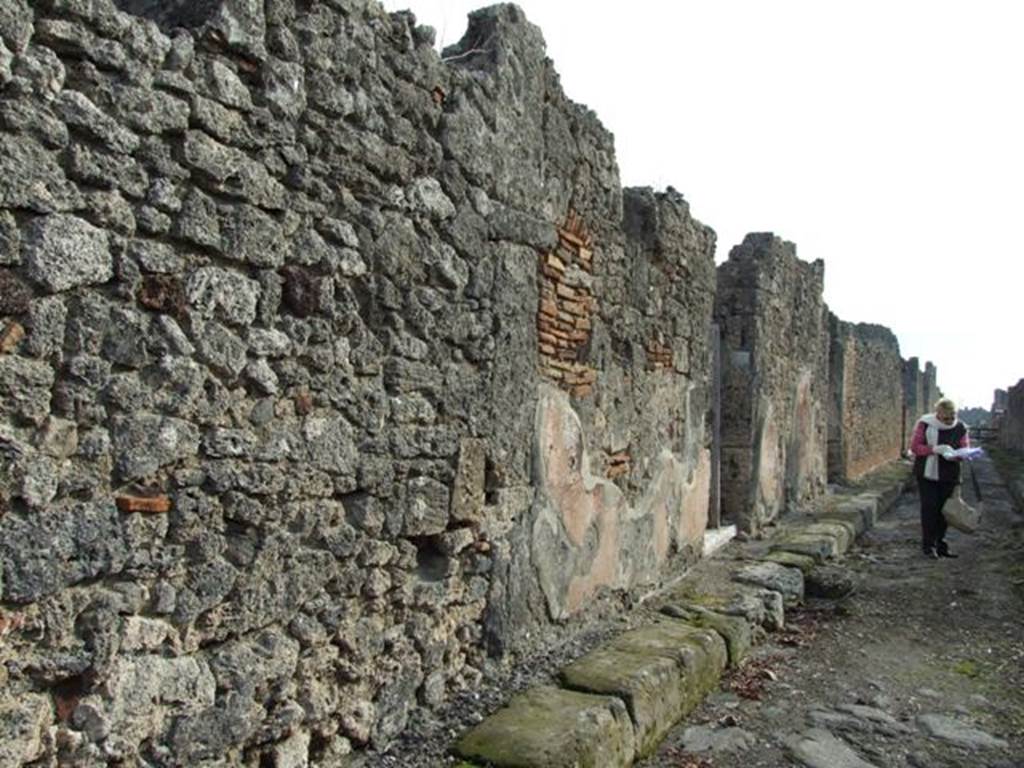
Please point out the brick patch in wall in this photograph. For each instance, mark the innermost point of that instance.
(150, 504)
(659, 356)
(565, 309)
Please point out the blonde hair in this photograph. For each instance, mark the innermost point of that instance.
(945, 405)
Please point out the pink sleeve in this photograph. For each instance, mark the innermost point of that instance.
(965, 441)
(918, 445)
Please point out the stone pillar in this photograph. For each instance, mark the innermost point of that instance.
(775, 382)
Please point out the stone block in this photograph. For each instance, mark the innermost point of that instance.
(63, 252)
(736, 631)
(791, 560)
(848, 515)
(818, 546)
(467, 503)
(25, 389)
(787, 581)
(701, 653)
(48, 551)
(145, 442)
(547, 727)
(23, 728)
(844, 533)
(652, 687)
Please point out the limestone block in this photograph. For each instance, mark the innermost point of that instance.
(844, 533)
(818, 546)
(701, 653)
(550, 728)
(653, 688)
(789, 582)
(849, 513)
(791, 559)
(736, 631)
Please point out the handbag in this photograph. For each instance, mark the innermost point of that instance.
(961, 515)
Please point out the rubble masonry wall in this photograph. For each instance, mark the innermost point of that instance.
(328, 370)
(771, 313)
(867, 396)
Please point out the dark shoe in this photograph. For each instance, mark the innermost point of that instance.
(944, 552)
(931, 554)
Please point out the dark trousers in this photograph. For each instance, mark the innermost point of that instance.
(933, 524)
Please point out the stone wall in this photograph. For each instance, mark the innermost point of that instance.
(913, 399)
(327, 369)
(867, 398)
(1011, 425)
(771, 313)
(931, 390)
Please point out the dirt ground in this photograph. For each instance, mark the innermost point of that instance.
(921, 666)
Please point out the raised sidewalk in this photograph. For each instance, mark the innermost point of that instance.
(614, 705)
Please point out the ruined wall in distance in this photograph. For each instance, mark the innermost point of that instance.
(770, 309)
(1011, 425)
(913, 398)
(866, 389)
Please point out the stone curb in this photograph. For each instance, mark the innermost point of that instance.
(616, 703)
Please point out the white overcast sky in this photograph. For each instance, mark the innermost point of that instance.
(886, 138)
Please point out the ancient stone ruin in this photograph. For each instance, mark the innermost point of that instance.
(331, 368)
(1009, 407)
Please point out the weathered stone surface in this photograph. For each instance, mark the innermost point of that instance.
(24, 723)
(25, 387)
(770, 308)
(704, 738)
(16, 24)
(829, 581)
(177, 686)
(857, 717)
(467, 501)
(734, 630)
(844, 533)
(15, 295)
(952, 731)
(33, 178)
(792, 560)
(63, 252)
(143, 443)
(52, 549)
(652, 687)
(230, 171)
(819, 546)
(80, 113)
(789, 582)
(553, 728)
(216, 292)
(817, 748)
(866, 392)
